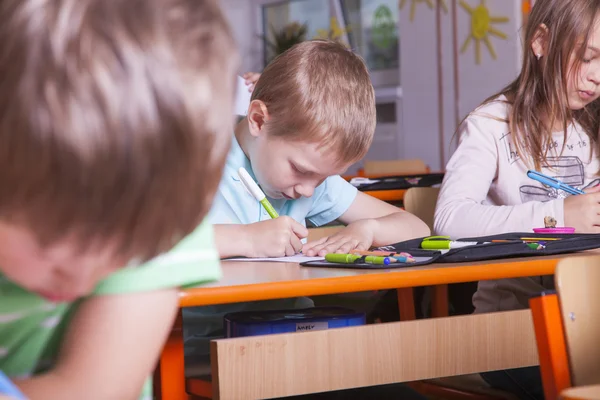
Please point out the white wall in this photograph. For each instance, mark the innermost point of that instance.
(418, 78)
(419, 136)
(419, 74)
(240, 14)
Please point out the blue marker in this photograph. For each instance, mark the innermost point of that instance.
(8, 388)
(553, 182)
(403, 259)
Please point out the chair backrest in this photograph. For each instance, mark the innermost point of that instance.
(578, 286)
(395, 167)
(566, 328)
(421, 201)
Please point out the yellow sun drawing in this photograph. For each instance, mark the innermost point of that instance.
(413, 6)
(481, 29)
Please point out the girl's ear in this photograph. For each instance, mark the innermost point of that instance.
(540, 39)
(258, 114)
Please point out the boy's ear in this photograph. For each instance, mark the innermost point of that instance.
(258, 115)
(538, 46)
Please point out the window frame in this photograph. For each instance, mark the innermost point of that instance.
(380, 78)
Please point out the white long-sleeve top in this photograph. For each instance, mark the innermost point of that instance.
(486, 191)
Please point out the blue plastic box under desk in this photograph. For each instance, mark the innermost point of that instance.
(248, 323)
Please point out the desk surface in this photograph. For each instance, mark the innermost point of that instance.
(250, 281)
(582, 393)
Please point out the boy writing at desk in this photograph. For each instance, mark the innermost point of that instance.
(113, 134)
(311, 116)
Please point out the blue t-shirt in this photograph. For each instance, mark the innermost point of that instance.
(233, 204)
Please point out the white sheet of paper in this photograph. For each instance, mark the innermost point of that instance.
(298, 258)
(242, 97)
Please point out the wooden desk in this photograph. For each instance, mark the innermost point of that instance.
(250, 281)
(390, 196)
(582, 393)
(287, 364)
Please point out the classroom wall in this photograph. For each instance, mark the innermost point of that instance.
(241, 18)
(423, 83)
(421, 135)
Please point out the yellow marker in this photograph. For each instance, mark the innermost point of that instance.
(539, 239)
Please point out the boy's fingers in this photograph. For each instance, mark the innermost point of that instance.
(331, 247)
(290, 250)
(310, 245)
(296, 244)
(345, 248)
(299, 229)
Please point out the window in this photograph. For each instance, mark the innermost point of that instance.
(372, 29)
(276, 16)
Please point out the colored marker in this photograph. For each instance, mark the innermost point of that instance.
(536, 246)
(443, 243)
(380, 253)
(8, 388)
(553, 182)
(527, 239)
(532, 241)
(352, 258)
(403, 259)
(256, 192)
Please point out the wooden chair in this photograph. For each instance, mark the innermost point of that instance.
(395, 167)
(567, 327)
(581, 393)
(421, 201)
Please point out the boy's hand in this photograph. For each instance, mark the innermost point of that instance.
(356, 236)
(582, 211)
(251, 79)
(275, 237)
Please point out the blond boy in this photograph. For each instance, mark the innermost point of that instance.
(311, 116)
(113, 134)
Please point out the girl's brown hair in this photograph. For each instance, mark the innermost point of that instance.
(538, 97)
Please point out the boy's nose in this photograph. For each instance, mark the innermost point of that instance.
(304, 190)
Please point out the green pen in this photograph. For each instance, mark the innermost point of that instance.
(535, 246)
(352, 258)
(256, 192)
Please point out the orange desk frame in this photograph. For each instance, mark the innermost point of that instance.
(170, 372)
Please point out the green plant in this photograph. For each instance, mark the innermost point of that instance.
(334, 32)
(285, 38)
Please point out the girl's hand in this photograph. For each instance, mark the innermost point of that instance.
(356, 236)
(582, 211)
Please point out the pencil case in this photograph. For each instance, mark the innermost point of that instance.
(253, 323)
(483, 250)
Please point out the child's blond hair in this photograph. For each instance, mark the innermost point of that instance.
(114, 118)
(319, 91)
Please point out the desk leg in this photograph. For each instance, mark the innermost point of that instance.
(171, 367)
(439, 301)
(406, 304)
